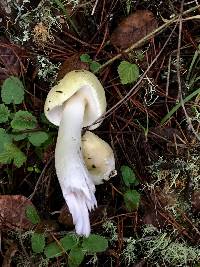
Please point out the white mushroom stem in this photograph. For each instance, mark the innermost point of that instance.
(74, 178)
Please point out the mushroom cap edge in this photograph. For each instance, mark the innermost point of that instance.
(71, 83)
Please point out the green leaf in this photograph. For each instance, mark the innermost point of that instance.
(19, 136)
(132, 200)
(95, 66)
(68, 241)
(4, 139)
(53, 249)
(128, 72)
(12, 91)
(76, 256)
(23, 120)
(95, 243)
(4, 113)
(85, 58)
(32, 215)
(12, 152)
(38, 242)
(37, 138)
(128, 176)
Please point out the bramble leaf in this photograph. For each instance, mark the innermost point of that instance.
(4, 113)
(12, 153)
(128, 72)
(95, 243)
(128, 176)
(4, 139)
(53, 250)
(18, 136)
(12, 91)
(95, 66)
(37, 138)
(23, 120)
(85, 58)
(38, 242)
(32, 215)
(76, 256)
(68, 241)
(132, 200)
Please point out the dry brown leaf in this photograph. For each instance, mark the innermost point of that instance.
(10, 253)
(13, 60)
(133, 28)
(72, 63)
(96, 215)
(12, 212)
(65, 216)
(196, 200)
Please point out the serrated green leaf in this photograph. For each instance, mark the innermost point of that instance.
(95, 66)
(53, 249)
(4, 113)
(132, 200)
(85, 58)
(4, 139)
(19, 157)
(12, 91)
(95, 243)
(128, 72)
(23, 120)
(37, 138)
(38, 242)
(32, 215)
(68, 241)
(19, 137)
(12, 153)
(128, 176)
(76, 256)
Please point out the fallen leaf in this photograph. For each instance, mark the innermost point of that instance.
(65, 216)
(72, 63)
(13, 60)
(196, 200)
(10, 253)
(12, 212)
(96, 215)
(133, 28)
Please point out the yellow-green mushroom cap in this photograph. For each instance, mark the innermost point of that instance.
(99, 158)
(77, 82)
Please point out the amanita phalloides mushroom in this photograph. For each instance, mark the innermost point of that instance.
(77, 101)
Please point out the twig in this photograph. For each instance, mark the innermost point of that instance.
(148, 36)
(189, 120)
(40, 178)
(94, 7)
(180, 97)
(134, 89)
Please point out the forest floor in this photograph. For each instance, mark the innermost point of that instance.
(147, 56)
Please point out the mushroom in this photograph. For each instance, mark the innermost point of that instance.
(98, 157)
(77, 101)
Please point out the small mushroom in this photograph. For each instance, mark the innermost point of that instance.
(77, 101)
(99, 157)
